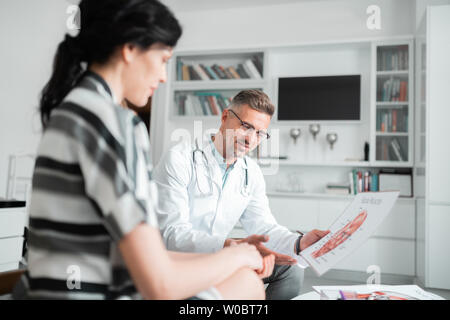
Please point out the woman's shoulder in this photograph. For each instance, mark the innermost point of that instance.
(88, 108)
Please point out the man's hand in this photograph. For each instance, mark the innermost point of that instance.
(257, 240)
(312, 237)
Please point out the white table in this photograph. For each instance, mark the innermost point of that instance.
(312, 295)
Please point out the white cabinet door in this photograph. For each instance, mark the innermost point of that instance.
(438, 247)
(11, 250)
(295, 213)
(391, 256)
(12, 222)
(400, 223)
(330, 210)
(438, 98)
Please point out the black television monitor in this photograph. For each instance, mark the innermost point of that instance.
(320, 98)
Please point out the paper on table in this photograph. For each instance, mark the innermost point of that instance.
(409, 292)
(353, 227)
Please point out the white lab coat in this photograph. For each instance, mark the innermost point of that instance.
(192, 222)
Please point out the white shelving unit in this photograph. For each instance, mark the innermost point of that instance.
(293, 163)
(392, 63)
(432, 173)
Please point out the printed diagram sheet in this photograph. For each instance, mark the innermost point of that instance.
(356, 224)
(375, 292)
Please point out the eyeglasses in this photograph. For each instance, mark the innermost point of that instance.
(260, 134)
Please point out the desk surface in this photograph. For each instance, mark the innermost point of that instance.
(312, 295)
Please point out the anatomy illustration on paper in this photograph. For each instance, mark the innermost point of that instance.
(342, 235)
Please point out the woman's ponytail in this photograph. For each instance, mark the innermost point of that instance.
(66, 72)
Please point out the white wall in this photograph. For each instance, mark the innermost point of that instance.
(319, 61)
(29, 33)
(421, 6)
(284, 24)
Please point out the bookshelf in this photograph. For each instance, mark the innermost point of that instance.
(392, 96)
(206, 83)
(215, 67)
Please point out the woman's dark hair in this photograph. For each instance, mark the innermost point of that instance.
(104, 26)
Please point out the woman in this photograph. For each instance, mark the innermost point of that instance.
(93, 231)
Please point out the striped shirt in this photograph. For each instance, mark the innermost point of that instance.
(91, 186)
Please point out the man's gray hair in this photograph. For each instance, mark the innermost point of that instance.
(255, 99)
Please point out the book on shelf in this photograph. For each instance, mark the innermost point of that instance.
(185, 72)
(363, 181)
(221, 102)
(212, 75)
(205, 106)
(352, 184)
(241, 71)
(193, 75)
(199, 108)
(218, 71)
(232, 70)
(392, 120)
(201, 103)
(214, 106)
(366, 181)
(360, 182)
(332, 188)
(393, 59)
(394, 90)
(200, 72)
(390, 149)
(258, 62)
(180, 101)
(188, 106)
(247, 71)
(251, 68)
(226, 72)
(397, 150)
(179, 70)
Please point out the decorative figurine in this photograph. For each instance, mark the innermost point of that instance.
(332, 138)
(314, 129)
(295, 133)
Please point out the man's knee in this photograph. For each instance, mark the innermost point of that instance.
(289, 272)
(285, 282)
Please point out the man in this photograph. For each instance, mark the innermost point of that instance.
(207, 188)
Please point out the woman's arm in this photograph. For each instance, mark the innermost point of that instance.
(175, 255)
(158, 275)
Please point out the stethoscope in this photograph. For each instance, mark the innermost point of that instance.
(245, 189)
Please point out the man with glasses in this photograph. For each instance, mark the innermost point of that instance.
(204, 190)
